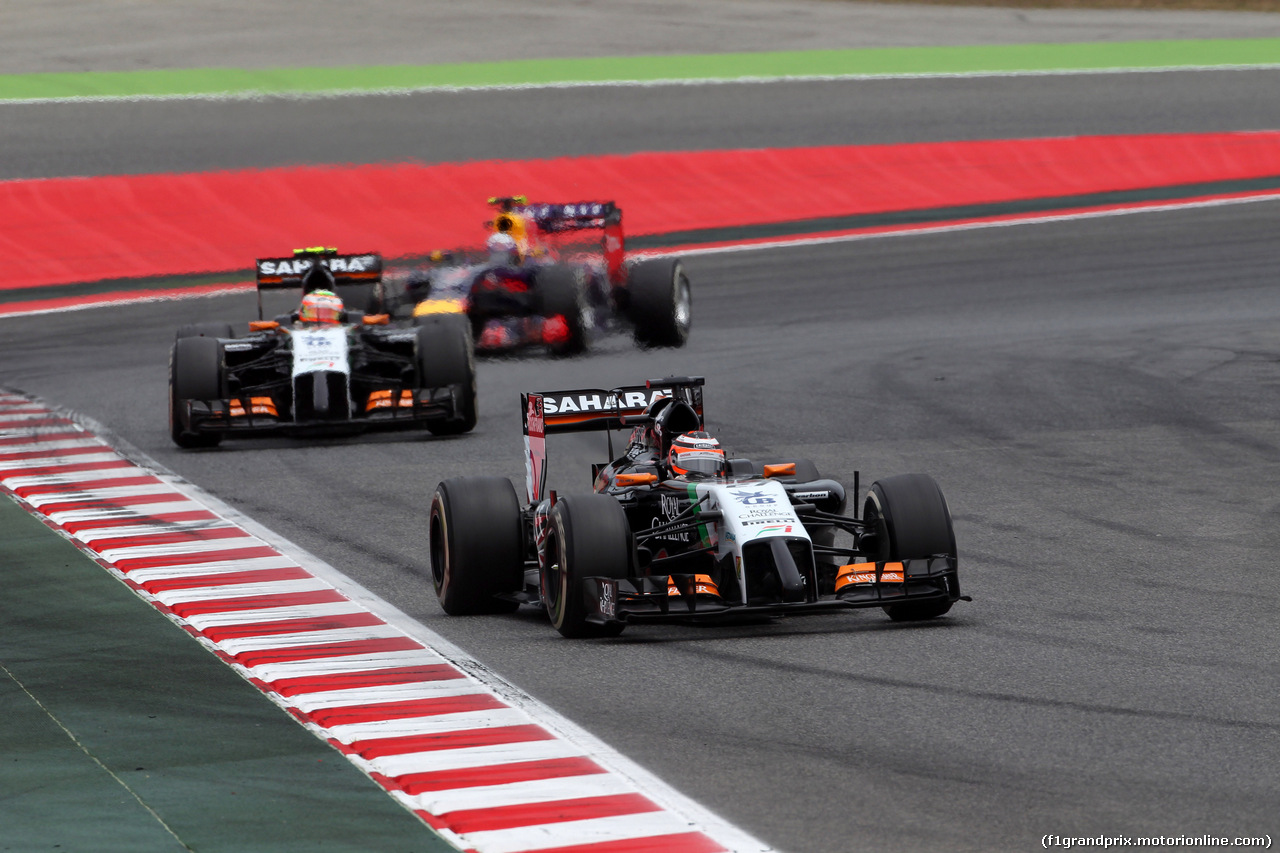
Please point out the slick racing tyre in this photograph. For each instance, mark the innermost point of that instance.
(205, 330)
(561, 292)
(911, 520)
(476, 545)
(446, 356)
(195, 373)
(588, 536)
(660, 302)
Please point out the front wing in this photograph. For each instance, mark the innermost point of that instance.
(676, 598)
(244, 417)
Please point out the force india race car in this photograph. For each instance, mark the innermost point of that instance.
(560, 284)
(647, 546)
(286, 376)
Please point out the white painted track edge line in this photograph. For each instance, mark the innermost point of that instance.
(943, 228)
(400, 91)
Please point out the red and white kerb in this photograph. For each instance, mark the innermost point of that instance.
(486, 767)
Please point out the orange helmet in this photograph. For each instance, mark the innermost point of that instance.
(696, 453)
(320, 306)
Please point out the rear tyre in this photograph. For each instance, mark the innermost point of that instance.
(660, 302)
(446, 356)
(911, 520)
(588, 536)
(476, 545)
(195, 373)
(562, 292)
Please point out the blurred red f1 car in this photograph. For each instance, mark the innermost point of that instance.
(548, 280)
(674, 531)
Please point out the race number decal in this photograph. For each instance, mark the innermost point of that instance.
(324, 349)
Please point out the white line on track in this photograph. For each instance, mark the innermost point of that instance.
(398, 91)
(941, 228)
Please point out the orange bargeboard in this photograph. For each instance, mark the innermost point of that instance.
(68, 230)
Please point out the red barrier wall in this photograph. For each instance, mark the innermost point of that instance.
(66, 230)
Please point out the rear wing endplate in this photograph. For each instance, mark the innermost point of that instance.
(590, 409)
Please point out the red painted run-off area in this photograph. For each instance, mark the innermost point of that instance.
(66, 230)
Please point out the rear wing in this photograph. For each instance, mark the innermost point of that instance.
(591, 409)
(515, 214)
(346, 269)
(575, 216)
(292, 272)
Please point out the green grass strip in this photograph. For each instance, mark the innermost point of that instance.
(889, 61)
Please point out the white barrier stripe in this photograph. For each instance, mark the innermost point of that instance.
(334, 636)
(519, 793)
(36, 463)
(225, 567)
(89, 535)
(469, 758)
(56, 444)
(407, 692)
(16, 417)
(366, 662)
(33, 438)
(193, 547)
(170, 597)
(431, 725)
(204, 621)
(70, 478)
(139, 511)
(579, 832)
(105, 494)
(17, 456)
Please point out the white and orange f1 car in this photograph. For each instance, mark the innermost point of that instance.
(649, 545)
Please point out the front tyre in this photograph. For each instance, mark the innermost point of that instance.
(911, 520)
(588, 536)
(476, 545)
(195, 373)
(660, 302)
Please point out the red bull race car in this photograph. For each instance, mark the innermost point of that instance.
(326, 367)
(555, 276)
(672, 530)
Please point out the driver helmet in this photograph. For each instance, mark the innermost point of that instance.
(696, 453)
(320, 306)
(503, 250)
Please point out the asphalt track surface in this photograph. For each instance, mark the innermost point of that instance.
(1098, 400)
